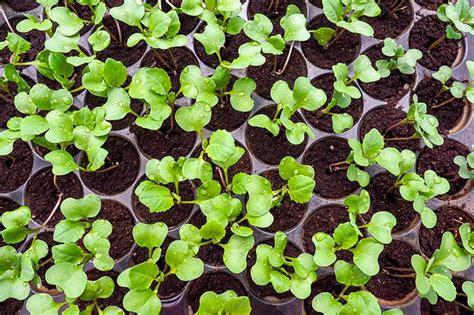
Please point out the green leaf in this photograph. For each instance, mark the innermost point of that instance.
(68, 277)
(180, 259)
(289, 167)
(324, 255)
(62, 44)
(150, 235)
(67, 231)
(381, 225)
(213, 39)
(69, 23)
(468, 288)
(142, 302)
(60, 127)
(349, 274)
(443, 286)
(195, 168)
(364, 71)
(241, 94)
(130, 12)
(42, 304)
(236, 252)
(342, 122)
(156, 198)
(294, 25)
(366, 255)
(345, 235)
(300, 188)
(193, 118)
(326, 303)
(262, 121)
(78, 209)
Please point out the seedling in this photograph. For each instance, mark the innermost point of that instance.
(345, 91)
(345, 15)
(157, 28)
(224, 303)
(295, 274)
(288, 101)
(356, 302)
(466, 166)
(458, 16)
(457, 89)
(401, 60)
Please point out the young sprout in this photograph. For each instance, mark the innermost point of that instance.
(459, 17)
(157, 28)
(433, 276)
(404, 61)
(225, 303)
(356, 302)
(345, 15)
(272, 267)
(457, 89)
(466, 166)
(288, 101)
(345, 91)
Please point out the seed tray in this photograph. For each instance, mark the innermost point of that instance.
(462, 133)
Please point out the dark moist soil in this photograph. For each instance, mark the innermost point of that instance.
(164, 142)
(172, 217)
(325, 284)
(385, 286)
(218, 282)
(276, 13)
(117, 49)
(440, 159)
(211, 253)
(22, 5)
(265, 76)
(272, 149)
(448, 115)
(182, 55)
(444, 307)
(244, 165)
(425, 32)
(114, 300)
(229, 52)
(93, 101)
(113, 3)
(35, 38)
(394, 19)
(7, 204)
(323, 121)
(318, 3)
(172, 286)
(384, 199)
(47, 237)
(325, 219)
(391, 88)
(7, 105)
(16, 169)
(344, 50)
(121, 239)
(266, 292)
(431, 5)
(41, 195)
(11, 306)
(289, 213)
(450, 218)
(116, 180)
(320, 156)
(224, 116)
(381, 118)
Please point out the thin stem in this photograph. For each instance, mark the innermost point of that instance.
(44, 263)
(165, 63)
(56, 207)
(6, 20)
(119, 31)
(170, 52)
(113, 166)
(397, 7)
(280, 72)
(399, 268)
(401, 122)
(462, 305)
(55, 183)
(334, 166)
(401, 138)
(437, 42)
(275, 63)
(78, 89)
(221, 176)
(444, 103)
(111, 34)
(342, 30)
(342, 292)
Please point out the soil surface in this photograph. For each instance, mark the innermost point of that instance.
(427, 31)
(22, 5)
(391, 88)
(450, 218)
(384, 117)
(117, 48)
(323, 121)
(266, 75)
(448, 115)
(343, 50)
(289, 213)
(111, 182)
(93, 101)
(320, 155)
(274, 13)
(172, 286)
(164, 142)
(266, 292)
(7, 204)
(7, 105)
(229, 52)
(15, 168)
(431, 4)
(173, 61)
(41, 194)
(172, 217)
(384, 285)
(325, 219)
(384, 198)
(121, 239)
(440, 159)
(218, 282)
(394, 20)
(11, 306)
(272, 149)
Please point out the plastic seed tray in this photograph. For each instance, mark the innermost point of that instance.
(463, 133)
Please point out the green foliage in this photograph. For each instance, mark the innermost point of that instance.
(459, 17)
(426, 126)
(404, 61)
(457, 89)
(224, 303)
(303, 96)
